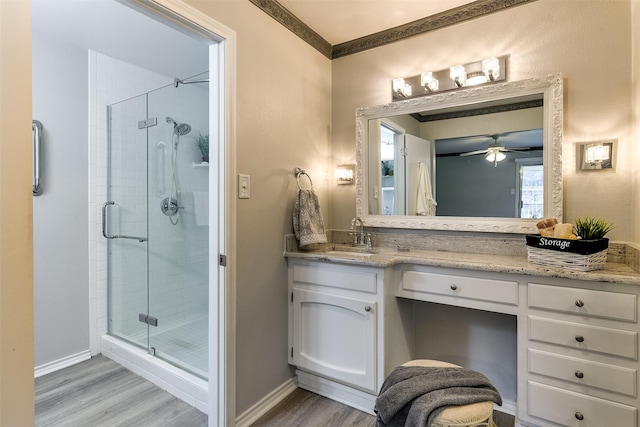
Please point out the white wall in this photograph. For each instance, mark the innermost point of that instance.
(541, 37)
(59, 214)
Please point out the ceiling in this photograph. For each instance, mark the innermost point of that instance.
(338, 21)
(116, 30)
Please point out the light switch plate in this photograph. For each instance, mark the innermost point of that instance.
(244, 186)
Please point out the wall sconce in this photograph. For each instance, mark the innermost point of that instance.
(596, 155)
(489, 70)
(345, 174)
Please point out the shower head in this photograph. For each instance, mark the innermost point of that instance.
(182, 129)
(179, 129)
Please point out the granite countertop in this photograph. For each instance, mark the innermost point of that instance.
(386, 257)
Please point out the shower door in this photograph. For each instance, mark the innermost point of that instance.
(158, 280)
(125, 214)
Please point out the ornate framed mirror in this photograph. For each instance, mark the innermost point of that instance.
(489, 159)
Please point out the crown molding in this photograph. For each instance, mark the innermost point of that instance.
(295, 25)
(454, 16)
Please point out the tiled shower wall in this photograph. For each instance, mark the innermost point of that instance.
(178, 258)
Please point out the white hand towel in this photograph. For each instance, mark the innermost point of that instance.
(201, 207)
(425, 203)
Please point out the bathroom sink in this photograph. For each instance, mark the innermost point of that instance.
(349, 254)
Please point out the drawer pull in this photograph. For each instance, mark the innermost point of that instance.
(579, 374)
(454, 287)
(579, 416)
(579, 338)
(367, 309)
(579, 303)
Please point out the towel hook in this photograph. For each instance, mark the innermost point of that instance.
(298, 172)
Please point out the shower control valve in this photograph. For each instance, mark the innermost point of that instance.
(170, 207)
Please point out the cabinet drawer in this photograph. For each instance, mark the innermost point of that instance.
(584, 337)
(498, 291)
(611, 305)
(575, 409)
(583, 372)
(364, 281)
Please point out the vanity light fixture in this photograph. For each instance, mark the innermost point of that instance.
(487, 71)
(401, 88)
(429, 82)
(491, 68)
(458, 75)
(596, 155)
(345, 174)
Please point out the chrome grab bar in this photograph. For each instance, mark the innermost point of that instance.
(36, 130)
(117, 236)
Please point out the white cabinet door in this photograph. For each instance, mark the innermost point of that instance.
(335, 337)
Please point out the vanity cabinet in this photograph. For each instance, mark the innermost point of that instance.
(335, 336)
(334, 318)
(582, 355)
(565, 354)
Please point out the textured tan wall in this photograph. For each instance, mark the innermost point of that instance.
(635, 78)
(589, 43)
(16, 251)
(282, 122)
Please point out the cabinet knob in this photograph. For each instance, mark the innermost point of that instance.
(579, 374)
(454, 287)
(579, 303)
(579, 338)
(367, 309)
(579, 416)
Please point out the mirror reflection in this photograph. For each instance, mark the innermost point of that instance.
(479, 161)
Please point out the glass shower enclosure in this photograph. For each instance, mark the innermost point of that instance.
(156, 222)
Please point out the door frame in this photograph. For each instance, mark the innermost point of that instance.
(222, 72)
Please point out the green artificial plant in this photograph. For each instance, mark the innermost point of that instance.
(202, 141)
(591, 228)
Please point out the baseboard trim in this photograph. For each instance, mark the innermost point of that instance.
(252, 414)
(340, 393)
(65, 362)
(508, 407)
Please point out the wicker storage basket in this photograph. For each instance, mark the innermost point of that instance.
(580, 255)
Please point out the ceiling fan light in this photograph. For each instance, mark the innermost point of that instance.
(495, 156)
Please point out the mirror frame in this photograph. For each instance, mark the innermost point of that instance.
(550, 86)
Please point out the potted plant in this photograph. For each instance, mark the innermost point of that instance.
(202, 141)
(591, 228)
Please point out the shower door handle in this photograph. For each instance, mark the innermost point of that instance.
(36, 130)
(116, 236)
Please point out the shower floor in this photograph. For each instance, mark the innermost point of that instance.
(184, 345)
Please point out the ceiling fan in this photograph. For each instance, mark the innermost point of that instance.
(494, 151)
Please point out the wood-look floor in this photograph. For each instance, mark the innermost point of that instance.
(303, 408)
(101, 393)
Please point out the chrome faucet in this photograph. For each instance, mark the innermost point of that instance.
(361, 241)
